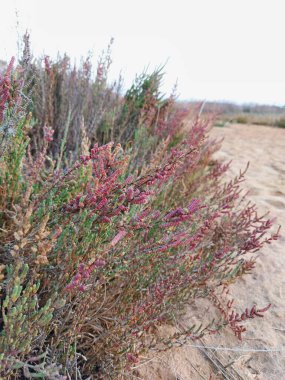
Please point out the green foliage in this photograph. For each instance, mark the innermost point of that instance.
(23, 319)
(101, 245)
(242, 119)
(280, 123)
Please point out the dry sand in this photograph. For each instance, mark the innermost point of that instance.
(264, 148)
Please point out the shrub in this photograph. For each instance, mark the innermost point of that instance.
(241, 119)
(67, 99)
(280, 123)
(98, 251)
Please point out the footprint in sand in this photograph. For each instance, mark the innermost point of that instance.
(278, 193)
(255, 191)
(276, 203)
(278, 168)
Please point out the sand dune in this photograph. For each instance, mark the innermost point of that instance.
(264, 148)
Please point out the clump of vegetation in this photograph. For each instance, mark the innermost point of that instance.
(104, 241)
(245, 114)
(280, 123)
(241, 119)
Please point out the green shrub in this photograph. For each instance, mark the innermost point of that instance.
(280, 123)
(101, 245)
(241, 119)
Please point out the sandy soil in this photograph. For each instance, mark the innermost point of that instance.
(264, 148)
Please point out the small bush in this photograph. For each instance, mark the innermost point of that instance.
(102, 244)
(241, 119)
(280, 123)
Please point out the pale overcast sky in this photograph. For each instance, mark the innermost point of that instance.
(217, 49)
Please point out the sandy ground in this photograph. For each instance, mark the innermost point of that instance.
(264, 148)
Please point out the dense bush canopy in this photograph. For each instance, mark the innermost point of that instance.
(112, 216)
